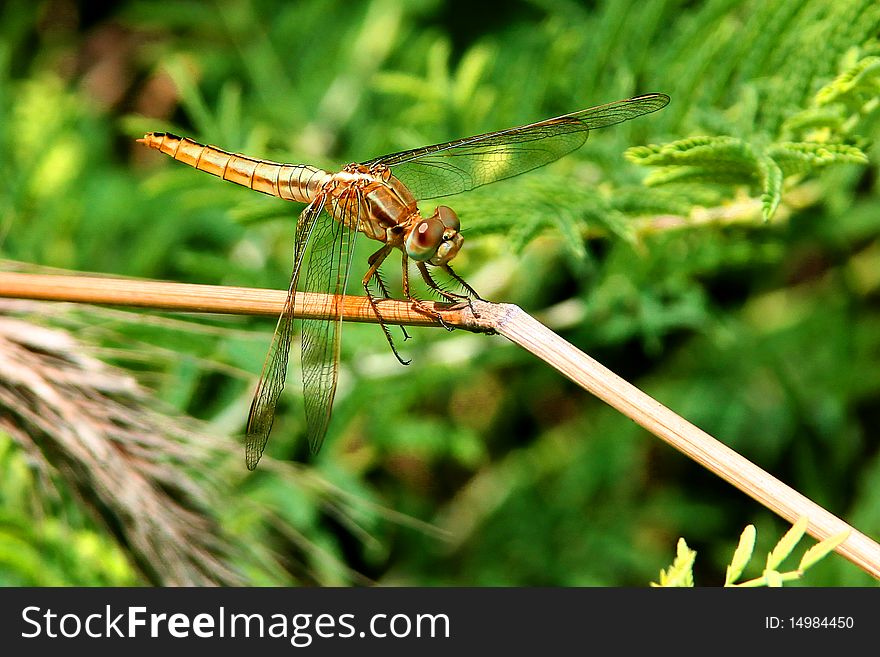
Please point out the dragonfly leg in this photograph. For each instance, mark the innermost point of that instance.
(418, 303)
(451, 296)
(446, 294)
(380, 283)
(472, 292)
(463, 283)
(375, 261)
(379, 255)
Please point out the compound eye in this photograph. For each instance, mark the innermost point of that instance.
(424, 238)
(448, 217)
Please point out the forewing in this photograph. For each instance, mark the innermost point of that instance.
(271, 383)
(457, 166)
(326, 271)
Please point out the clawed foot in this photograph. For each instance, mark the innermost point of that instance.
(436, 314)
(459, 301)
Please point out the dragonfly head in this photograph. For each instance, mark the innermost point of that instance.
(435, 239)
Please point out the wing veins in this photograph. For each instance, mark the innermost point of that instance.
(321, 339)
(274, 373)
(494, 156)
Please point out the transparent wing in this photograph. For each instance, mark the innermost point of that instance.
(326, 272)
(271, 383)
(460, 165)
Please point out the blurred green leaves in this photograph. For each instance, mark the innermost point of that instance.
(39, 548)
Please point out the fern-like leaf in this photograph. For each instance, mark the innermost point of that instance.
(821, 549)
(800, 157)
(696, 152)
(856, 85)
(786, 543)
(681, 572)
(741, 556)
(771, 177)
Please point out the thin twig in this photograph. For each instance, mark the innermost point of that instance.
(186, 297)
(524, 330)
(511, 322)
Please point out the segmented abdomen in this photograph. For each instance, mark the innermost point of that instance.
(294, 182)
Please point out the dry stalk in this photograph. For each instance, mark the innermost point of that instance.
(91, 426)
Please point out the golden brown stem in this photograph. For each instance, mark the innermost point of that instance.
(186, 297)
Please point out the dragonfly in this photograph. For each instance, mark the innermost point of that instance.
(378, 198)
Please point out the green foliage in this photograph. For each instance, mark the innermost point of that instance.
(475, 465)
(680, 573)
(40, 549)
(763, 163)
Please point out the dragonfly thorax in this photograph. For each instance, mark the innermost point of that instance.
(377, 204)
(372, 202)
